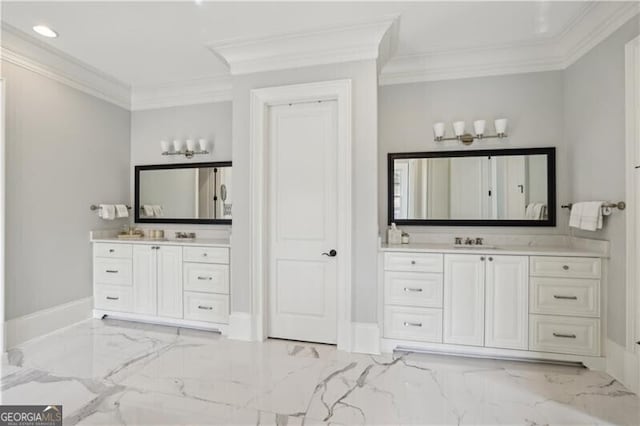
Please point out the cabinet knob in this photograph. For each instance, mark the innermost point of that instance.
(111, 250)
(565, 267)
(482, 258)
(204, 254)
(491, 259)
(413, 262)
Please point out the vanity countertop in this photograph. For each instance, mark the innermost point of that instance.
(505, 250)
(209, 242)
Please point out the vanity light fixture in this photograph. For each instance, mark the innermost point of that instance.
(468, 138)
(178, 147)
(45, 31)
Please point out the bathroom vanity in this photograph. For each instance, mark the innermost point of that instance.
(183, 283)
(531, 302)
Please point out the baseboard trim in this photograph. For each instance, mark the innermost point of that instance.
(623, 365)
(22, 329)
(366, 338)
(241, 326)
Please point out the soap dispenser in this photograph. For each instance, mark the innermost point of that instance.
(394, 235)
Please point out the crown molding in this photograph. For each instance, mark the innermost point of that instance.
(29, 53)
(595, 23)
(330, 45)
(199, 91)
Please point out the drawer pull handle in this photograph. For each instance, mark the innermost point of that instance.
(205, 278)
(112, 298)
(565, 267)
(565, 336)
(415, 290)
(555, 296)
(111, 271)
(206, 308)
(413, 262)
(412, 324)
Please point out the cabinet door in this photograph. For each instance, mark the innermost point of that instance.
(464, 276)
(170, 281)
(507, 316)
(144, 280)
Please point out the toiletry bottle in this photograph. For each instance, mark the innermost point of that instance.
(394, 235)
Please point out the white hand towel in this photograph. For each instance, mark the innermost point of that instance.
(122, 210)
(157, 211)
(148, 210)
(576, 215)
(591, 216)
(107, 211)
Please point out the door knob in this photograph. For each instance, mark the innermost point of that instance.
(332, 253)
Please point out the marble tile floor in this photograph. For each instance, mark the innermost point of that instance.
(119, 373)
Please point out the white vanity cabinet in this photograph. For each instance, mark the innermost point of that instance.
(528, 303)
(164, 282)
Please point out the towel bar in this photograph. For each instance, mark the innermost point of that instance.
(620, 205)
(94, 207)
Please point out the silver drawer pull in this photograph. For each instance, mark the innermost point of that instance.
(413, 262)
(206, 308)
(412, 324)
(415, 290)
(205, 278)
(565, 336)
(112, 298)
(555, 296)
(565, 267)
(111, 271)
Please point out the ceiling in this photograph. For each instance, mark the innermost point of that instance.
(154, 43)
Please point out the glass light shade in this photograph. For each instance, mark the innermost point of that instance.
(458, 128)
(164, 146)
(203, 144)
(501, 126)
(191, 145)
(438, 130)
(479, 126)
(177, 145)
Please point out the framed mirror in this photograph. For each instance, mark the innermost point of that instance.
(194, 193)
(506, 187)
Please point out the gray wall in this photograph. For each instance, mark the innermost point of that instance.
(595, 133)
(211, 121)
(364, 79)
(533, 103)
(66, 150)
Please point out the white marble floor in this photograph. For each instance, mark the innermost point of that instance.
(112, 372)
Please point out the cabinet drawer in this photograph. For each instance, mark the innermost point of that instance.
(423, 324)
(210, 278)
(206, 254)
(570, 267)
(206, 307)
(413, 289)
(121, 251)
(565, 335)
(112, 271)
(413, 262)
(565, 296)
(113, 298)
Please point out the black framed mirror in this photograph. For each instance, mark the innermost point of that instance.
(504, 187)
(193, 193)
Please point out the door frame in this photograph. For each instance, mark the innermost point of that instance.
(260, 101)
(3, 93)
(632, 132)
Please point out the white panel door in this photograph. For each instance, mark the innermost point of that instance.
(144, 280)
(170, 281)
(464, 276)
(507, 295)
(515, 187)
(302, 199)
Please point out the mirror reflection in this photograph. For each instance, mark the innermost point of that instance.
(186, 193)
(505, 187)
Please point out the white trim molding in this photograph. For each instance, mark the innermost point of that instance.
(355, 42)
(241, 326)
(40, 323)
(632, 136)
(29, 53)
(596, 22)
(2, 215)
(261, 100)
(366, 338)
(623, 365)
(200, 91)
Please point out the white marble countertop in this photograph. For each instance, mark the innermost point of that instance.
(209, 242)
(506, 250)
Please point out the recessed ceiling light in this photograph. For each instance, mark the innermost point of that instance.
(45, 31)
